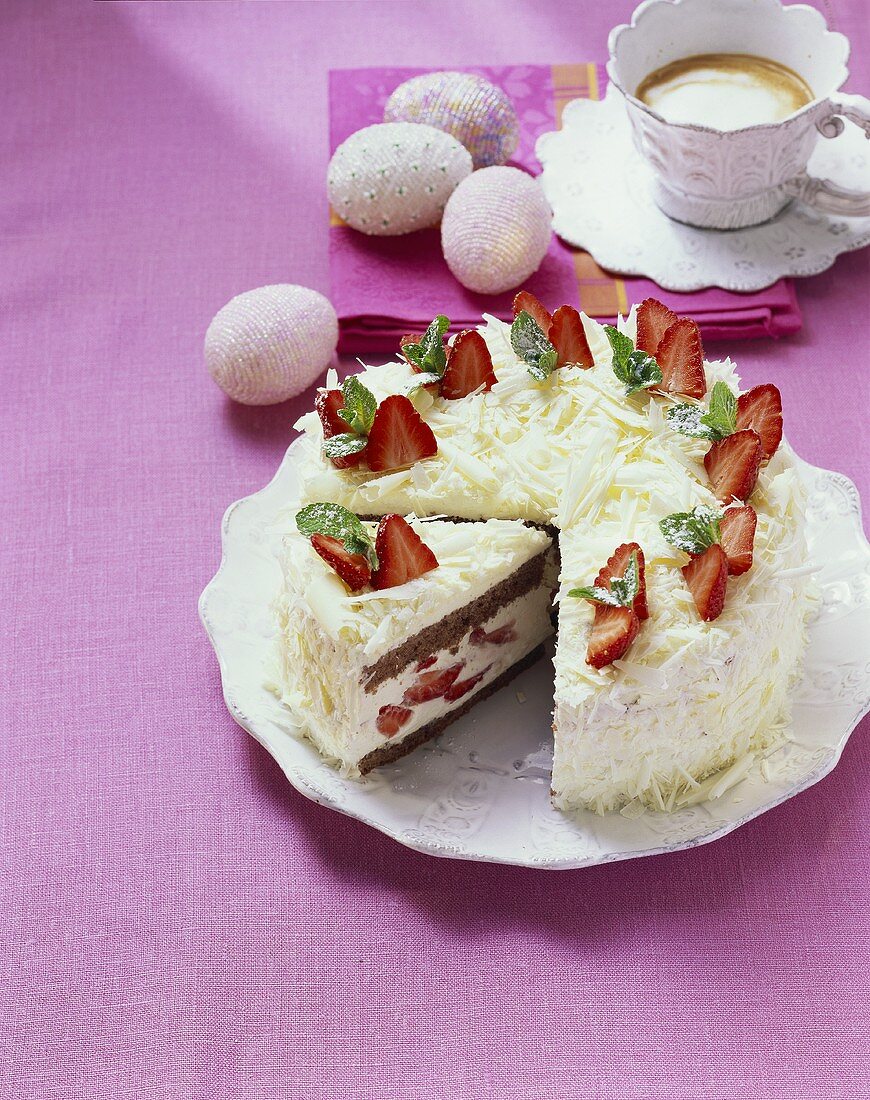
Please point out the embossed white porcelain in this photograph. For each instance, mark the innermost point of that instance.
(729, 179)
(613, 215)
(481, 791)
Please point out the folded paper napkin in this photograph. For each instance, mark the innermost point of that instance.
(383, 287)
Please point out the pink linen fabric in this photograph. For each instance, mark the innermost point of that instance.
(383, 287)
(175, 921)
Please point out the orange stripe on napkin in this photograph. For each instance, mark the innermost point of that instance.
(600, 294)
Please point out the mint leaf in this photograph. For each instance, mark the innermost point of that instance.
(694, 531)
(532, 346)
(636, 369)
(620, 344)
(340, 523)
(348, 443)
(626, 587)
(429, 355)
(359, 406)
(597, 595)
(689, 420)
(717, 422)
(421, 380)
(722, 414)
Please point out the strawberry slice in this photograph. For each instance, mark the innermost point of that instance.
(528, 302)
(613, 631)
(462, 687)
(616, 566)
(653, 321)
(327, 403)
(737, 527)
(391, 719)
(680, 355)
(399, 435)
(568, 337)
(469, 367)
(427, 662)
(761, 409)
(402, 554)
(707, 576)
(432, 685)
(501, 636)
(732, 465)
(353, 569)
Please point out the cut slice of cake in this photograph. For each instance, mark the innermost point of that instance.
(375, 664)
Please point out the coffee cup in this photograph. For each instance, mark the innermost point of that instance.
(728, 175)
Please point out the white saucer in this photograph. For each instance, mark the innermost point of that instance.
(481, 790)
(599, 188)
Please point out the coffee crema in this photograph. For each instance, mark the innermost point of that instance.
(725, 91)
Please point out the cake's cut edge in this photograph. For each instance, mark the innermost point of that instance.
(458, 623)
(389, 753)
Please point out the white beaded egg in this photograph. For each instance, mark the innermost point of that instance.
(395, 177)
(496, 229)
(269, 344)
(474, 111)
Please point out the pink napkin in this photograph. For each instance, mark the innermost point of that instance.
(383, 287)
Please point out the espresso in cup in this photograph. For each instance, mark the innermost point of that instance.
(726, 91)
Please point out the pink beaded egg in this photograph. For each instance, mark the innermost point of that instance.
(476, 112)
(269, 344)
(496, 229)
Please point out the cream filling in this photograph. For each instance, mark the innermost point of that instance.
(340, 717)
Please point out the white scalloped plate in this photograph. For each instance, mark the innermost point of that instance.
(599, 187)
(481, 791)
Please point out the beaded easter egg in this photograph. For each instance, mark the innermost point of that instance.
(269, 344)
(474, 111)
(496, 229)
(395, 177)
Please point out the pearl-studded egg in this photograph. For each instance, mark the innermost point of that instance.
(496, 229)
(474, 111)
(395, 177)
(269, 344)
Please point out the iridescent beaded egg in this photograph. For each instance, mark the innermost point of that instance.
(496, 229)
(269, 344)
(395, 177)
(473, 110)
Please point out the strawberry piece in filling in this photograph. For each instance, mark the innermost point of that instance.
(432, 685)
(391, 719)
(500, 636)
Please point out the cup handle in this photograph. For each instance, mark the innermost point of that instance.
(825, 194)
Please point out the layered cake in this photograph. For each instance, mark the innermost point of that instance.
(683, 584)
(376, 671)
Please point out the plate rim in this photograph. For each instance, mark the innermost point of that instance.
(448, 851)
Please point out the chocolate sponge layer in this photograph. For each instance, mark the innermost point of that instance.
(448, 632)
(389, 752)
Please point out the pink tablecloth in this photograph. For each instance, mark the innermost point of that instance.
(175, 921)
